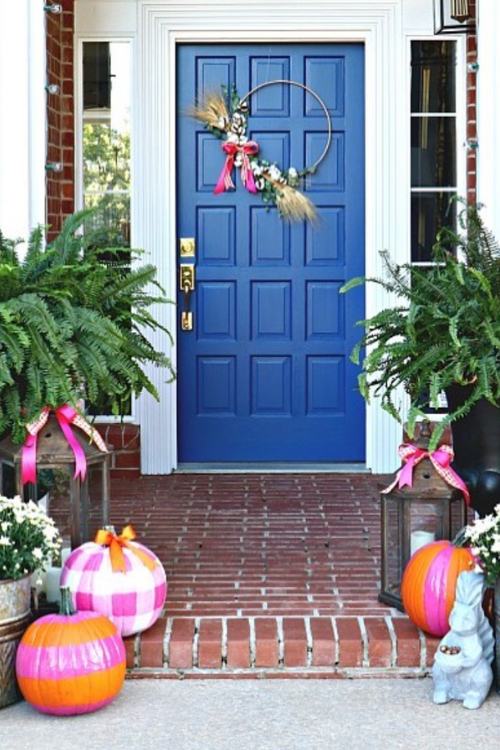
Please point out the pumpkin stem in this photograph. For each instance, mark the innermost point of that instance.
(66, 605)
(109, 528)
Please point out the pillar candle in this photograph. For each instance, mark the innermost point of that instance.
(419, 539)
(53, 581)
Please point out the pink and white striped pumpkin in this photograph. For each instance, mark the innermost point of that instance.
(133, 600)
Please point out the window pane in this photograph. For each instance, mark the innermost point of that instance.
(429, 213)
(96, 75)
(106, 138)
(433, 152)
(433, 76)
(106, 152)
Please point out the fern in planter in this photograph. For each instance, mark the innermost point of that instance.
(72, 325)
(445, 330)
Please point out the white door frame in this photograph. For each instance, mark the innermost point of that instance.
(161, 26)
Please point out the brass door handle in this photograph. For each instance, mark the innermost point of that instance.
(187, 282)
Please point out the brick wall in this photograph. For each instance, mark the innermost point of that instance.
(60, 117)
(471, 114)
(126, 442)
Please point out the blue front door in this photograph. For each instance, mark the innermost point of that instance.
(265, 373)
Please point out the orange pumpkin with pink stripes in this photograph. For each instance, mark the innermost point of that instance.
(429, 583)
(70, 663)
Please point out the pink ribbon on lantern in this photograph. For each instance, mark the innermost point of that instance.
(232, 149)
(66, 416)
(411, 455)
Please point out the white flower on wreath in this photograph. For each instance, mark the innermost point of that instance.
(274, 172)
(260, 183)
(238, 160)
(256, 168)
(232, 138)
(292, 173)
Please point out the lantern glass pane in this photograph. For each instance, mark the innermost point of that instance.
(392, 561)
(427, 523)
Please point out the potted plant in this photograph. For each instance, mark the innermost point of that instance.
(28, 540)
(444, 335)
(74, 324)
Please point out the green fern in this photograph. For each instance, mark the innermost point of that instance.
(447, 330)
(73, 325)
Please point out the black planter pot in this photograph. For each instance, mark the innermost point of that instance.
(476, 443)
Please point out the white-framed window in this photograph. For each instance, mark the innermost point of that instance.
(103, 133)
(437, 161)
(437, 146)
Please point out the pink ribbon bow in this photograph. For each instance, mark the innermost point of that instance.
(441, 459)
(232, 149)
(66, 416)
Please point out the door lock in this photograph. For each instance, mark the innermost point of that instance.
(187, 247)
(187, 277)
(187, 284)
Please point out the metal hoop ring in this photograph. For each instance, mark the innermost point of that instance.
(313, 94)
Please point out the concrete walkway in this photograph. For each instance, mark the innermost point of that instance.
(262, 715)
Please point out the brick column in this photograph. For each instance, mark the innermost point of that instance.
(471, 95)
(60, 117)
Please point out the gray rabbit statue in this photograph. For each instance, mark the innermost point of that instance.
(462, 664)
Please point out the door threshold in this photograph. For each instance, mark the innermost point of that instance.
(272, 468)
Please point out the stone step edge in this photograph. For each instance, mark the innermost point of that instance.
(284, 673)
(225, 643)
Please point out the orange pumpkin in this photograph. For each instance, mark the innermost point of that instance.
(429, 583)
(71, 663)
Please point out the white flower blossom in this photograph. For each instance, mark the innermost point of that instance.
(260, 183)
(37, 553)
(496, 543)
(292, 172)
(256, 168)
(274, 172)
(5, 525)
(232, 138)
(5, 541)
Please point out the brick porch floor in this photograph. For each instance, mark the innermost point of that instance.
(268, 574)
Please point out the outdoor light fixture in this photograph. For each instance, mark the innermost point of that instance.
(427, 511)
(54, 166)
(55, 8)
(453, 17)
(52, 88)
(55, 453)
(472, 143)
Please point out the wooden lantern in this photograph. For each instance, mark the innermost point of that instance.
(427, 511)
(54, 452)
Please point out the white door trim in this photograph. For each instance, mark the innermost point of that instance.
(161, 26)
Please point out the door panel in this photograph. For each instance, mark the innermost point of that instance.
(265, 373)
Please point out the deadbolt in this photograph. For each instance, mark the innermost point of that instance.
(187, 247)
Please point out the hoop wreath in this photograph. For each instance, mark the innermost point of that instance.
(225, 115)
